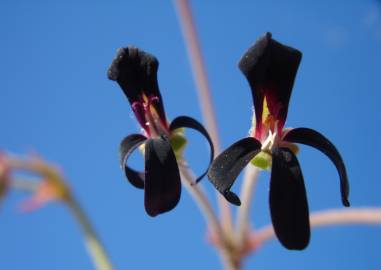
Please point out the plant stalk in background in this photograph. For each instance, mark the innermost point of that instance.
(53, 187)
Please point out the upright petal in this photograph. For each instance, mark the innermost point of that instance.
(288, 201)
(186, 121)
(227, 166)
(270, 67)
(162, 177)
(317, 140)
(127, 146)
(136, 73)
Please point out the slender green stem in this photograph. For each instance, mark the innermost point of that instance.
(94, 245)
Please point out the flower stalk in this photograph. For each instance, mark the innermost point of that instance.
(204, 94)
(247, 189)
(94, 245)
(224, 242)
(59, 190)
(330, 217)
(199, 197)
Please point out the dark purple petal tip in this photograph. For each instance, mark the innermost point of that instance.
(136, 73)
(232, 197)
(270, 67)
(132, 60)
(315, 139)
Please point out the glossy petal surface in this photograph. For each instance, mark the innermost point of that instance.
(288, 201)
(228, 165)
(317, 140)
(127, 146)
(162, 177)
(185, 121)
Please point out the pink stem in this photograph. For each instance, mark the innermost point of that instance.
(366, 216)
(199, 72)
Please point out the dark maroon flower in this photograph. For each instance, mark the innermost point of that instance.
(136, 73)
(270, 67)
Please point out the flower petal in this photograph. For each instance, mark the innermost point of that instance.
(136, 73)
(270, 67)
(185, 121)
(288, 201)
(162, 178)
(317, 140)
(127, 146)
(227, 166)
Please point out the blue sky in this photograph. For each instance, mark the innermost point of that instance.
(56, 100)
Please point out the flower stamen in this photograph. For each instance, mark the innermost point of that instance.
(148, 117)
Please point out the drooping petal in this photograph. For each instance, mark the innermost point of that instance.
(317, 140)
(288, 201)
(270, 67)
(227, 166)
(162, 177)
(136, 73)
(185, 121)
(127, 146)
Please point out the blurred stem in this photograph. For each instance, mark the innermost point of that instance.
(52, 174)
(24, 184)
(230, 262)
(249, 182)
(366, 216)
(93, 244)
(199, 72)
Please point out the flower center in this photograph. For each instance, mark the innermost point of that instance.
(146, 113)
(270, 134)
(269, 142)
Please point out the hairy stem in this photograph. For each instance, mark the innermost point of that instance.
(203, 89)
